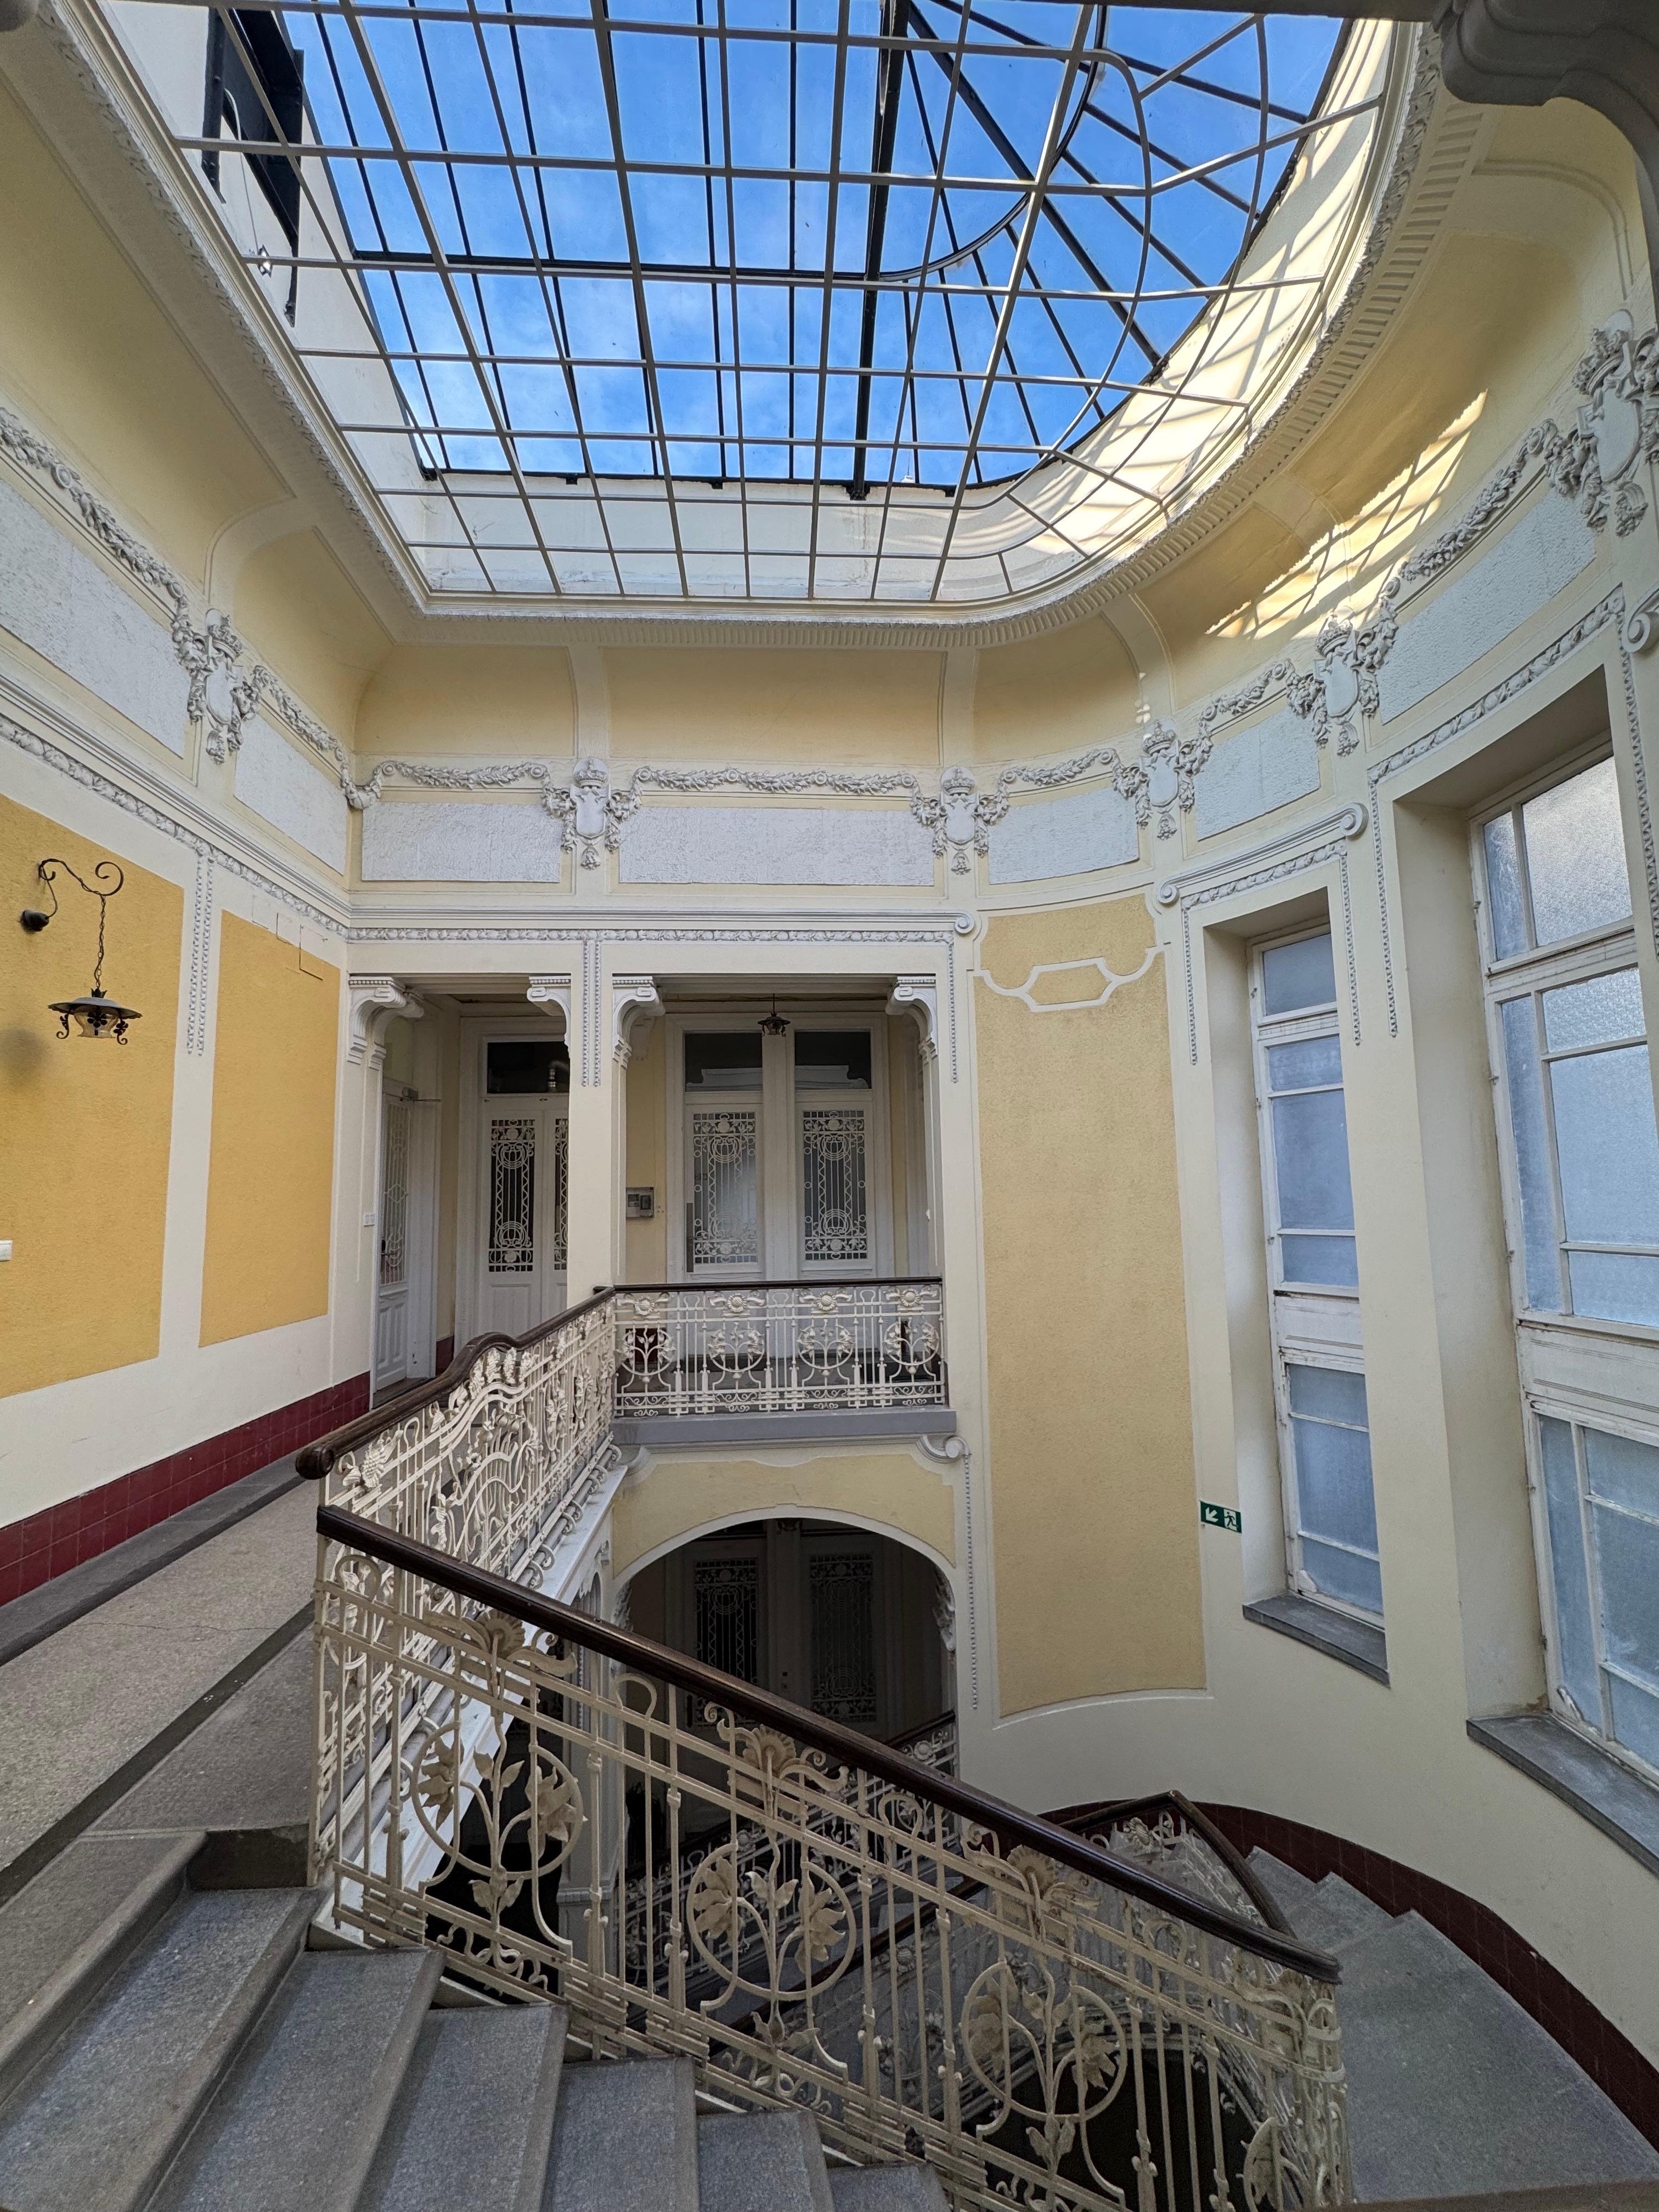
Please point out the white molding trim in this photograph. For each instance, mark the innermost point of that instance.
(548, 991)
(918, 995)
(376, 1002)
(631, 997)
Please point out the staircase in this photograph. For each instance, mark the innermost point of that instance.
(1452, 2087)
(173, 2046)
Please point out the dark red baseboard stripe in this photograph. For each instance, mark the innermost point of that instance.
(46, 1544)
(444, 1354)
(1609, 2058)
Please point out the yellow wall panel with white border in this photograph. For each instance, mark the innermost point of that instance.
(85, 1128)
(1095, 1511)
(271, 1169)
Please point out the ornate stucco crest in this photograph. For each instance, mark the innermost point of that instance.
(1161, 782)
(1596, 463)
(961, 818)
(223, 695)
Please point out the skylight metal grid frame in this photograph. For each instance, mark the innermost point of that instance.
(493, 501)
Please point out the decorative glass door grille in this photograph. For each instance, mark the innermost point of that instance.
(834, 1185)
(512, 1247)
(559, 1238)
(394, 1197)
(725, 1605)
(841, 1606)
(723, 1225)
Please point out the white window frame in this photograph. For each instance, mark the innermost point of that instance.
(1310, 1324)
(1579, 1369)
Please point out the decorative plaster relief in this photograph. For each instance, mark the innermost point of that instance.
(1068, 836)
(918, 995)
(376, 1002)
(632, 998)
(452, 842)
(784, 844)
(60, 601)
(1546, 548)
(1255, 771)
(1106, 980)
(283, 788)
(548, 991)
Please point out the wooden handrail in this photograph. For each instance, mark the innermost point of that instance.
(1011, 1827)
(790, 1283)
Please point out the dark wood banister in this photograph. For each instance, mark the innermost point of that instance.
(316, 1458)
(1080, 1817)
(1011, 1827)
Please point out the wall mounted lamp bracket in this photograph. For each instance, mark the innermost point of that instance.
(97, 1015)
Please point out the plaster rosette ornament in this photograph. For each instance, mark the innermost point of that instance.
(961, 818)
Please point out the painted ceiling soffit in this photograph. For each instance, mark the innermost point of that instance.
(1423, 158)
(1598, 463)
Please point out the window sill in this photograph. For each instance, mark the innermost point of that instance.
(1608, 1795)
(1338, 1635)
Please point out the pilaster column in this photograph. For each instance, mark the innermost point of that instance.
(374, 1003)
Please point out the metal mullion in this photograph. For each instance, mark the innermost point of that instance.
(937, 207)
(411, 185)
(714, 289)
(945, 291)
(1022, 255)
(736, 328)
(359, 294)
(552, 304)
(838, 98)
(1592, 1574)
(646, 365)
(1197, 171)
(884, 129)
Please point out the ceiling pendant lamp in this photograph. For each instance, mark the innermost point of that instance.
(774, 1023)
(97, 1015)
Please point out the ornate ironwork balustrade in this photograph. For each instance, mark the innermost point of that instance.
(930, 1972)
(796, 1347)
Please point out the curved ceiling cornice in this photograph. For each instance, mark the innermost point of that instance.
(1427, 148)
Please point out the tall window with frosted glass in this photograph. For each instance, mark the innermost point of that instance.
(1581, 1177)
(1319, 1368)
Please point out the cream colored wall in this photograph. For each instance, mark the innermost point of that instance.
(677, 1495)
(1090, 1433)
(298, 608)
(456, 699)
(85, 1128)
(271, 1177)
(1051, 694)
(773, 703)
(645, 1252)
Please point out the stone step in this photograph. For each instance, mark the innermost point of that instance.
(762, 2162)
(65, 1934)
(625, 2139)
(1453, 2089)
(886, 2189)
(101, 2118)
(473, 2119)
(1288, 1889)
(1336, 1915)
(299, 2119)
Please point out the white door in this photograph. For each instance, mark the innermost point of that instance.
(523, 1170)
(391, 1305)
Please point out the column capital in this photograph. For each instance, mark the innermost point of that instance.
(548, 991)
(919, 995)
(631, 996)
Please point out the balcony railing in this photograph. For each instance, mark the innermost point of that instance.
(798, 1347)
(693, 1866)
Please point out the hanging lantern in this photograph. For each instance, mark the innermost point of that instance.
(774, 1023)
(98, 1015)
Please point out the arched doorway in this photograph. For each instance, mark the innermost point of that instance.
(848, 1622)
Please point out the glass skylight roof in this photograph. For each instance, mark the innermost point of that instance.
(761, 300)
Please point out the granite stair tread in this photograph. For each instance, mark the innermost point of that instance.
(299, 2119)
(64, 1933)
(762, 2163)
(473, 2119)
(625, 2139)
(98, 2121)
(886, 2189)
(1337, 1915)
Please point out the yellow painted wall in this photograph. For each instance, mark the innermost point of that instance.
(97, 366)
(678, 1495)
(773, 703)
(84, 1129)
(1095, 1509)
(491, 698)
(271, 1169)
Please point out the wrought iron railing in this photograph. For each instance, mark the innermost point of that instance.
(796, 1348)
(930, 1972)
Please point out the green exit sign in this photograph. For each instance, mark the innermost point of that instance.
(1220, 1516)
